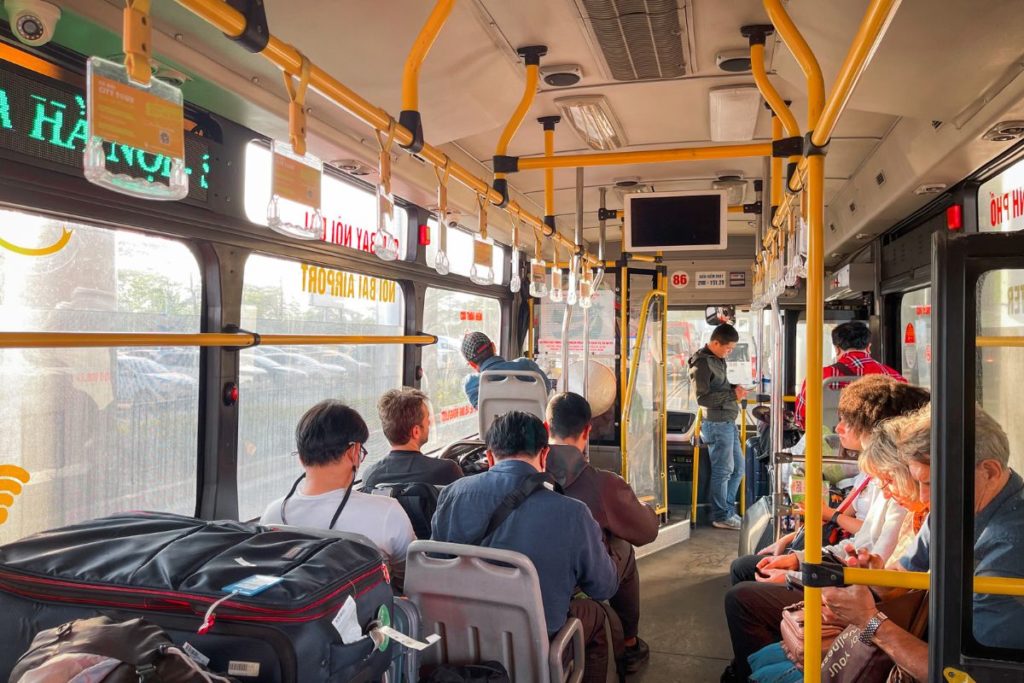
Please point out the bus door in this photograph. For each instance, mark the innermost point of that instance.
(978, 325)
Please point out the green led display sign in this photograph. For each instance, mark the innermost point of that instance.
(47, 121)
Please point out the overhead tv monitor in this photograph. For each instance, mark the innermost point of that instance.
(676, 221)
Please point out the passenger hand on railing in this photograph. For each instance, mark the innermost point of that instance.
(741, 393)
(851, 605)
(783, 562)
(862, 558)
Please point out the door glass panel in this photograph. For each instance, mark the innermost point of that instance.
(916, 337)
(995, 619)
(645, 439)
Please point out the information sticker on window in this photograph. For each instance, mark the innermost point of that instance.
(145, 118)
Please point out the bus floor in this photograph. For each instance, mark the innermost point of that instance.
(681, 614)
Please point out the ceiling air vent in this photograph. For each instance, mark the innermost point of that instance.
(640, 39)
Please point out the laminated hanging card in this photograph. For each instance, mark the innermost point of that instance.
(482, 272)
(586, 289)
(538, 272)
(295, 191)
(144, 118)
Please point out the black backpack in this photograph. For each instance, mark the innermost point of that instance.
(132, 651)
(418, 499)
(484, 672)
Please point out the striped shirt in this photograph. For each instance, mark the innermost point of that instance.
(858, 363)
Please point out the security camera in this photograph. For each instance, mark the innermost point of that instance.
(452, 218)
(33, 21)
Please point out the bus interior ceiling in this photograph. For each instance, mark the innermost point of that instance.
(945, 74)
(903, 129)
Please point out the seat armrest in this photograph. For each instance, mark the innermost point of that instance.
(570, 635)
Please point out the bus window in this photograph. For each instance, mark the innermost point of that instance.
(349, 211)
(450, 315)
(460, 253)
(827, 350)
(915, 336)
(100, 430)
(279, 383)
(1001, 314)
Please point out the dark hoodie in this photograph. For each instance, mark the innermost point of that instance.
(709, 377)
(611, 500)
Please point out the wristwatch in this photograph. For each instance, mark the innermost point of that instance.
(867, 635)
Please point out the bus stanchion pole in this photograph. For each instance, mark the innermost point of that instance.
(696, 468)
(743, 450)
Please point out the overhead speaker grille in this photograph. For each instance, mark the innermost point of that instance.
(640, 39)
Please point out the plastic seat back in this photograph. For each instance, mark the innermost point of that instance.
(830, 391)
(504, 390)
(485, 604)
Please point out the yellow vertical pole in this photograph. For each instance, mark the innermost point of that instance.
(696, 467)
(776, 194)
(663, 286)
(815, 325)
(549, 173)
(420, 47)
(623, 364)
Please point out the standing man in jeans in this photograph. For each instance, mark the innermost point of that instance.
(710, 380)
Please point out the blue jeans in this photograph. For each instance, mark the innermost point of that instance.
(723, 444)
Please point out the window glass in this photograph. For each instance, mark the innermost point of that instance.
(460, 252)
(100, 430)
(1000, 310)
(827, 350)
(688, 331)
(1001, 314)
(279, 383)
(349, 211)
(916, 337)
(604, 331)
(450, 315)
(1001, 201)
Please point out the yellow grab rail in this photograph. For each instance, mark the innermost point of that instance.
(998, 342)
(532, 75)
(794, 40)
(889, 578)
(651, 156)
(420, 47)
(73, 340)
(549, 173)
(743, 450)
(230, 21)
(695, 489)
(634, 365)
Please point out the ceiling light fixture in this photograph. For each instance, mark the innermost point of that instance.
(733, 112)
(592, 118)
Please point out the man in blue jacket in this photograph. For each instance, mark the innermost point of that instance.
(556, 532)
(480, 353)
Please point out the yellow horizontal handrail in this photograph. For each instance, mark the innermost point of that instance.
(226, 19)
(651, 156)
(998, 342)
(71, 340)
(995, 585)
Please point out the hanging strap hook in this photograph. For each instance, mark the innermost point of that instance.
(443, 173)
(138, 35)
(297, 106)
(386, 142)
(483, 202)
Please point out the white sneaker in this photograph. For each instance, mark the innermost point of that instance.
(733, 524)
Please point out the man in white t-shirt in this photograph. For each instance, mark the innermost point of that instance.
(330, 438)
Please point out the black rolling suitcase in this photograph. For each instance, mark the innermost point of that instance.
(173, 571)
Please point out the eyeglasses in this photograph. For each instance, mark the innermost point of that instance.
(362, 450)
